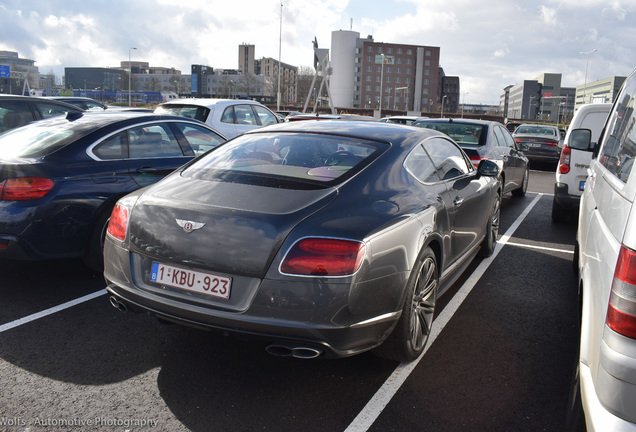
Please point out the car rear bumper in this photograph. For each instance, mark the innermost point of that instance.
(329, 317)
(597, 417)
(564, 198)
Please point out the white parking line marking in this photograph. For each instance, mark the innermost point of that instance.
(35, 316)
(383, 396)
(521, 245)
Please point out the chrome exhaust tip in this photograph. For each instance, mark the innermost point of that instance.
(293, 351)
(121, 307)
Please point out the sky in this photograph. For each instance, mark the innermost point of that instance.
(489, 44)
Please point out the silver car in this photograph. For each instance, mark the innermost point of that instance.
(230, 117)
(606, 261)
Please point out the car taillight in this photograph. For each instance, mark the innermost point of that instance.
(564, 162)
(476, 159)
(25, 188)
(621, 312)
(323, 257)
(118, 224)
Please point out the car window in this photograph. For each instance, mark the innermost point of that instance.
(200, 139)
(14, 114)
(111, 148)
(48, 110)
(619, 147)
(94, 106)
(228, 115)
(244, 115)
(292, 157)
(447, 158)
(510, 141)
(501, 139)
(420, 166)
(536, 130)
(265, 116)
(152, 141)
(464, 134)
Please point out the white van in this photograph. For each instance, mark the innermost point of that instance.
(575, 160)
(605, 256)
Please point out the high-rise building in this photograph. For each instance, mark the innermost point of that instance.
(371, 74)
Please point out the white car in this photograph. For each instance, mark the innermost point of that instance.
(606, 259)
(230, 117)
(575, 160)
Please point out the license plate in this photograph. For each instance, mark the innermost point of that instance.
(582, 185)
(204, 283)
(534, 145)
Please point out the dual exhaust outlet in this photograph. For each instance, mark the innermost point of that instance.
(279, 350)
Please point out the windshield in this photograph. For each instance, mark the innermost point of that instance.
(189, 111)
(464, 134)
(536, 130)
(33, 141)
(282, 159)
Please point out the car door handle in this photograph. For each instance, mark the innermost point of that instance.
(458, 201)
(146, 169)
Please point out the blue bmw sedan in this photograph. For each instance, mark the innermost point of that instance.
(60, 178)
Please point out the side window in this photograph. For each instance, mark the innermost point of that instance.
(152, 141)
(500, 136)
(50, 110)
(447, 158)
(510, 141)
(619, 145)
(244, 115)
(14, 114)
(111, 148)
(228, 115)
(420, 166)
(199, 139)
(265, 116)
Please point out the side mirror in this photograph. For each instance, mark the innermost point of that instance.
(488, 168)
(581, 139)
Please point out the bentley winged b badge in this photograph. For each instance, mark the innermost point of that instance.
(189, 226)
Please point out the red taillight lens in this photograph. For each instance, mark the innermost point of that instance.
(323, 257)
(25, 188)
(564, 163)
(475, 160)
(118, 224)
(621, 312)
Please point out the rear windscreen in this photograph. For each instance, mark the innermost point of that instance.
(290, 157)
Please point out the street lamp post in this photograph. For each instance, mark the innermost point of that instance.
(587, 61)
(442, 113)
(381, 82)
(280, 41)
(129, 75)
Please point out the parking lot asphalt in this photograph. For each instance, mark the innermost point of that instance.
(502, 359)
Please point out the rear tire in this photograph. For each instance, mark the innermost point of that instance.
(492, 230)
(559, 214)
(409, 337)
(521, 191)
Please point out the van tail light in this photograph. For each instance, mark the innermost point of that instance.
(476, 159)
(118, 224)
(323, 257)
(621, 312)
(564, 162)
(25, 188)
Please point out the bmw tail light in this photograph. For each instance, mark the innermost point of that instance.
(564, 162)
(621, 312)
(323, 257)
(25, 188)
(118, 224)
